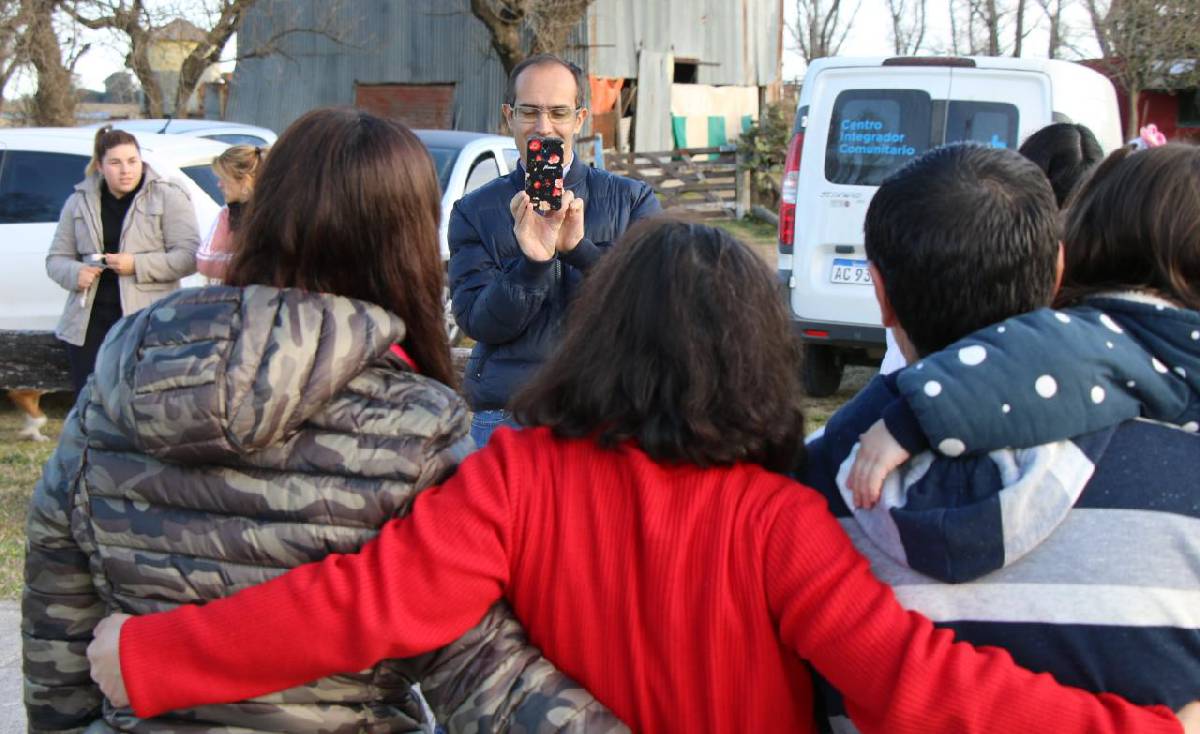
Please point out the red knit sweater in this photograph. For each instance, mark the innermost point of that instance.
(683, 598)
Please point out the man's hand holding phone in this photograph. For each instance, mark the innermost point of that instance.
(538, 235)
(547, 219)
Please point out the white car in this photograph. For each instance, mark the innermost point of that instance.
(231, 133)
(39, 168)
(464, 162)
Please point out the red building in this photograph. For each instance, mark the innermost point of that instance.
(1176, 112)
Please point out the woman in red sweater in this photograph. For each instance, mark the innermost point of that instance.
(644, 538)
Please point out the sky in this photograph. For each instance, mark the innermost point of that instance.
(870, 33)
(869, 36)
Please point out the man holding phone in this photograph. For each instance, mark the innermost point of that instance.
(514, 266)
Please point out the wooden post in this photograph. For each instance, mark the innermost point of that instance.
(741, 188)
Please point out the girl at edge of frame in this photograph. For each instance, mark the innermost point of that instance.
(236, 169)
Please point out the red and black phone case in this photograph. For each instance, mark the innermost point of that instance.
(544, 172)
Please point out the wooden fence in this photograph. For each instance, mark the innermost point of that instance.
(705, 182)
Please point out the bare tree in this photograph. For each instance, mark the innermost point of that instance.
(908, 25)
(820, 28)
(521, 28)
(131, 18)
(1019, 29)
(1053, 10)
(10, 42)
(53, 102)
(988, 27)
(1147, 44)
(214, 23)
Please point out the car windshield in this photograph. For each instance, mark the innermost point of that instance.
(204, 177)
(236, 138)
(443, 161)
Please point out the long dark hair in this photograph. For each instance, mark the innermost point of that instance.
(1066, 151)
(348, 203)
(1136, 225)
(679, 341)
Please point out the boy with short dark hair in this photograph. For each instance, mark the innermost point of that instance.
(1076, 556)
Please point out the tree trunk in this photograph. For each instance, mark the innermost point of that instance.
(1019, 33)
(189, 76)
(1055, 29)
(54, 100)
(505, 33)
(138, 60)
(1133, 118)
(993, 29)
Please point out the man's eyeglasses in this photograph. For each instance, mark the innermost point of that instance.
(530, 113)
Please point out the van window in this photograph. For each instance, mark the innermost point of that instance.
(990, 123)
(35, 185)
(874, 132)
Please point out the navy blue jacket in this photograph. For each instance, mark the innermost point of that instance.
(1080, 557)
(511, 306)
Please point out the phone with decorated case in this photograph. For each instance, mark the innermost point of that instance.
(544, 172)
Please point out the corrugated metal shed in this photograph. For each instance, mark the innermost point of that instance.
(735, 41)
(440, 42)
(403, 41)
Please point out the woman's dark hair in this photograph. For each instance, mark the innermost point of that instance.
(678, 340)
(1065, 151)
(348, 203)
(108, 138)
(1135, 224)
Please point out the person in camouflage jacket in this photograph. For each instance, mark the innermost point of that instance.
(231, 434)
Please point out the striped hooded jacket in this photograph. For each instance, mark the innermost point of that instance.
(1081, 557)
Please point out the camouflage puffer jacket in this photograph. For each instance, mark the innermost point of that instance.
(227, 436)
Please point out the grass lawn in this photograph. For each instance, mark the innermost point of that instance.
(762, 236)
(20, 468)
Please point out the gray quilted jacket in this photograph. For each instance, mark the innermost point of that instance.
(229, 435)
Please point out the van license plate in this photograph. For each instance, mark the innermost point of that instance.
(852, 272)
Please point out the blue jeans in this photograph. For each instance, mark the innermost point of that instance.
(484, 422)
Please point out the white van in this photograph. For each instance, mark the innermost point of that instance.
(860, 119)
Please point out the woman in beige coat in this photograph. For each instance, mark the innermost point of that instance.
(125, 238)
